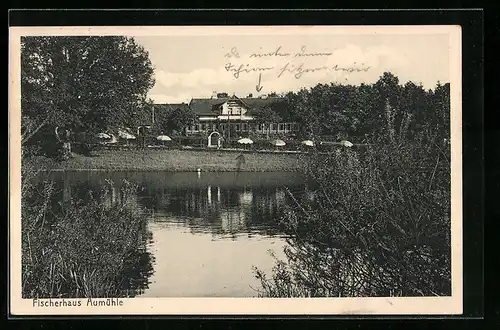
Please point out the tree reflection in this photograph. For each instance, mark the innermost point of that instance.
(96, 234)
(220, 210)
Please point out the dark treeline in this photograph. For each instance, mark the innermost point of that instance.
(370, 111)
(83, 86)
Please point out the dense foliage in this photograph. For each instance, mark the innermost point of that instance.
(82, 247)
(380, 222)
(173, 120)
(84, 84)
(359, 112)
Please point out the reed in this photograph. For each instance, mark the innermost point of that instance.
(84, 248)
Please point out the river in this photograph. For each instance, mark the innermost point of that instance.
(206, 230)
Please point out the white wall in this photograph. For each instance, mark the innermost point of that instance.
(233, 108)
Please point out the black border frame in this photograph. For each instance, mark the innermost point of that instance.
(471, 22)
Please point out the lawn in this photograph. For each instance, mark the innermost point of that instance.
(178, 160)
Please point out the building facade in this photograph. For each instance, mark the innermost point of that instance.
(231, 116)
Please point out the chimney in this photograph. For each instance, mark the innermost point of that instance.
(250, 95)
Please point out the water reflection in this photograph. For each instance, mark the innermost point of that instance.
(112, 250)
(206, 230)
(218, 210)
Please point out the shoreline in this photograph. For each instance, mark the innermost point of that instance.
(131, 169)
(174, 161)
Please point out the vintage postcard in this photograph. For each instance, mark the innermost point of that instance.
(235, 170)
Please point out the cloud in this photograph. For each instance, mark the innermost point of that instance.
(201, 82)
(164, 98)
(199, 77)
(166, 78)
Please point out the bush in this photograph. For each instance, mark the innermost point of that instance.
(379, 226)
(86, 248)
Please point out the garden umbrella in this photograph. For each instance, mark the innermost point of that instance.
(106, 138)
(125, 135)
(163, 138)
(103, 136)
(245, 141)
(278, 143)
(308, 143)
(346, 143)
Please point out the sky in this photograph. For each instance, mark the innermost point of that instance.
(194, 66)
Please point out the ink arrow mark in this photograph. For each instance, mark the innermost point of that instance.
(259, 87)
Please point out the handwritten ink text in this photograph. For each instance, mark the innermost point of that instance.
(303, 53)
(244, 68)
(299, 70)
(233, 53)
(271, 54)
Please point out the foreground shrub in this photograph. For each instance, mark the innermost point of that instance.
(379, 226)
(86, 248)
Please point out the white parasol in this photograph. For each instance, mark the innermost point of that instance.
(125, 135)
(163, 138)
(103, 136)
(308, 143)
(278, 143)
(245, 141)
(346, 143)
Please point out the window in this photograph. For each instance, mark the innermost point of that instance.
(288, 128)
(196, 127)
(203, 127)
(273, 127)
(281, 127)
(237, 127)
(245, 127)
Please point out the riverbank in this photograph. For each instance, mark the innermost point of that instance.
(84, 249)
(177, 161)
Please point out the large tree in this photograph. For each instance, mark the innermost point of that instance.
(266, 116)
(175, 119)
(304, 113)
(84, 84)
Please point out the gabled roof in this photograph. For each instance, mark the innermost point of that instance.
(256, 103)
(172, 106)
(209, 107)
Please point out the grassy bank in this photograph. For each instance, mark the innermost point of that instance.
(177, 160)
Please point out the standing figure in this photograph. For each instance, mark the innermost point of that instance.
(63, 136)
(219, 142)
(239, 161)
